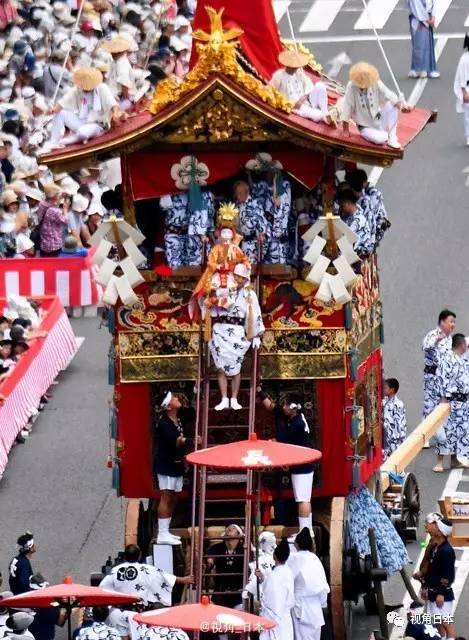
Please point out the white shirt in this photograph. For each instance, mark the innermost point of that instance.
(292, 85)
(141, 580)
(121, 74)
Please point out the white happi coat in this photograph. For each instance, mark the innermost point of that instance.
(229, 343)
(311, 591)
(277, 602)
(101, 102)
(141, 580)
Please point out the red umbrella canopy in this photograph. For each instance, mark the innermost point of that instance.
(205, 616)
(253, 454)
(76, 595)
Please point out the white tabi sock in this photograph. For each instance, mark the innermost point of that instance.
(163, 525)
(304, 522)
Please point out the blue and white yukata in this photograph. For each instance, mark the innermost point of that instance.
(201, 223)
(278, 251)
(358, 222)
(453, 384)
(423, 45)
(433, 351)
(252, 222)
(176, 228)
(395, 424)
(373, 207)
(229, 343)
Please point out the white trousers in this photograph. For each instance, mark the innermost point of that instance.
(81, 130)
(315, 107)
(387, 126)
(302, 484)
(466, 119)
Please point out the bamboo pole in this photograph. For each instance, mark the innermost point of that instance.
(414, 443)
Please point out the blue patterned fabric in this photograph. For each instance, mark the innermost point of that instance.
(252, 222)
(364, 245)
(278, 214)
(364, 512)
(433, 350)
(395, 424)
(453, 377)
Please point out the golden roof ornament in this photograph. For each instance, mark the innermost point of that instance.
(217, 34)
(217, 54)
(228, 214)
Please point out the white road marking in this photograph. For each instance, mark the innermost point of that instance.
(371, 38)
(280, 8)
(466, 24)
(440, 7)
(321, 15)
(376, 15)
(450, 488)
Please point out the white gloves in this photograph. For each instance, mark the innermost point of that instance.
(256, 342)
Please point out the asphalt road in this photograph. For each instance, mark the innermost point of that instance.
(57, 484)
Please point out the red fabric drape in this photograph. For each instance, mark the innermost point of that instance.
(260, 41)
(150, 174)
(335, 469)
(134, 433)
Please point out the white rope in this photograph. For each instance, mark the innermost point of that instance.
(292, 31)
(380, 45)
(62, 71)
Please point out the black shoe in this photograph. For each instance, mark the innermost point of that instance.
(20, 439)
(392, 607)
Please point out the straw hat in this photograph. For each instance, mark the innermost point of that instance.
(51, 190)
(102, 66)
(293, 59)
(19, 187)
(87, 78)
(116, 45)
(363, 75)
(9, 197)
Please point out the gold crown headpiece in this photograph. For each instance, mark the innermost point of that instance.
(228, 215)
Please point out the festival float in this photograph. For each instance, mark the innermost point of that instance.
(323, 323)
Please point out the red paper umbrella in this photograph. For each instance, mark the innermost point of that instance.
(68, 595)
(77, 595)
(205, 616)
(253, 454)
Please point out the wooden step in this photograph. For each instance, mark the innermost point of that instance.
(227, 478)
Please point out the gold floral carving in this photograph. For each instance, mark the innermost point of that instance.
(158, 369)
(302, 366)
(219, 121)
(216, 55)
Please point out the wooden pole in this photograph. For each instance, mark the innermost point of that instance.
(413, 444)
